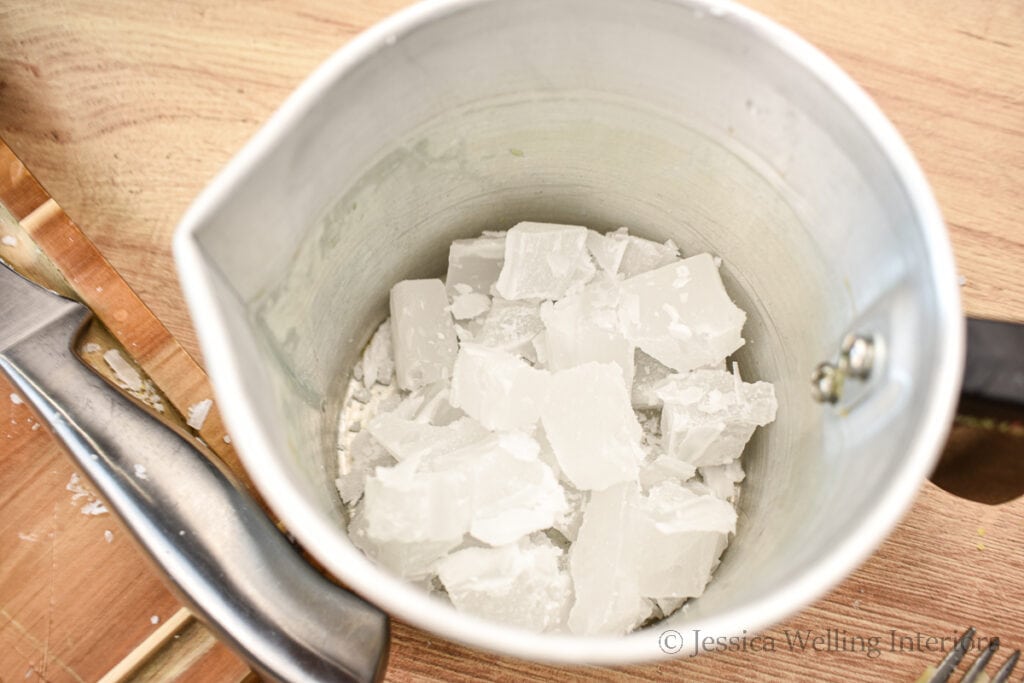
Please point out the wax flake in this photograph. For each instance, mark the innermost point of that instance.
(521, 584)
(543, 261)
(709, 415)
(592, 429)
(474, 265)
(511, 326)
(497, 388)
(422, 333)
(583, 328)
(642, 256)
(603, 564)
(681, 315)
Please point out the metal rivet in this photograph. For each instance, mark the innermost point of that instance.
(826, 382)
(858, 355)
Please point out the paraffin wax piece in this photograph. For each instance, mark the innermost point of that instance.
(498, 389)
(358, 462)
(402, 503)
(413, 561)
(709, 415)
(591, 427)
(665, 468)
(680, 535)
(521, 584)
(514, 495)
(608, 249)
(429, 404)
(496, 489)
(469, 305)
(722, 480)
(511, 326)
(583, 328)
(406, 439)
(648, 373)
(474, 265)
(378, 360)
(603, 564)
(641, 256)
(543, 261)
(681, 315)
(422, 333)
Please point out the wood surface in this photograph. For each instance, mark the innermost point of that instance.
(124, 110)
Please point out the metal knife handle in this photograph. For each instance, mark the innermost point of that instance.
(234, 569)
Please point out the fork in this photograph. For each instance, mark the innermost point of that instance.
(976, 672)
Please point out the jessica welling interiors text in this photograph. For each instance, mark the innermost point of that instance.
(824, 641)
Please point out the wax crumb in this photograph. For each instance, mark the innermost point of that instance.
(197, 413)
(94, 508)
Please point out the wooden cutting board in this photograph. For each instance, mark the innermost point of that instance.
(124, 110)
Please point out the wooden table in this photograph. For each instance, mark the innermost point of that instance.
(125, 109)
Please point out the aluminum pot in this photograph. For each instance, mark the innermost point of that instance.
(696, 120)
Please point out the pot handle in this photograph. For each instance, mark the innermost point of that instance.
(222, 554)
(994, 369)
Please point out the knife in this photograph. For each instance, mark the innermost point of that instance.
(220, 552)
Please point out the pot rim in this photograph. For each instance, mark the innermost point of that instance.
(328, 542)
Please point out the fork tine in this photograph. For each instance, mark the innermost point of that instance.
(949, 662)
(1006, 669)
(981, 662)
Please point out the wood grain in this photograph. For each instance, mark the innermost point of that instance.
(124, 110)
(59, 577)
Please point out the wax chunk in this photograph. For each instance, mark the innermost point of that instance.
(709, 415)
(680, 535)
(583, 328)
(474, 264)
(603, 564)
(521, 584)
(412, 561)
(592, 428)
(641, 256)
(543, 261)
(681, 315)
(423, 333)
(498, 389)
(511, 326)
(608, 249)
(358, 462)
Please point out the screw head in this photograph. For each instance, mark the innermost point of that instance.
(858, 355)
(826, 382)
